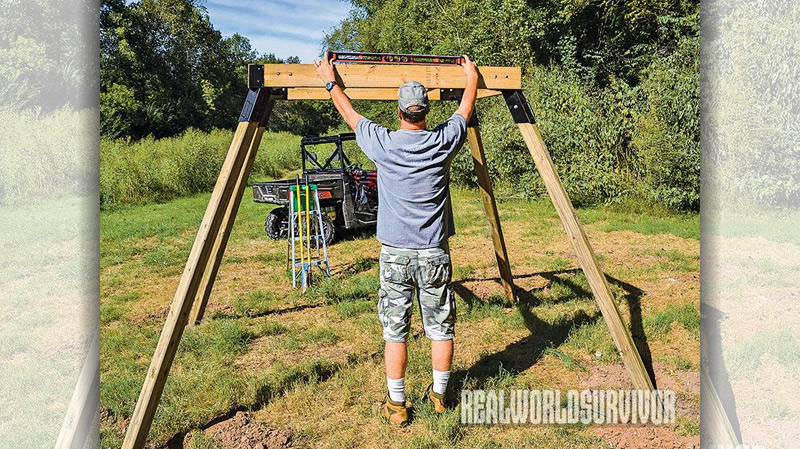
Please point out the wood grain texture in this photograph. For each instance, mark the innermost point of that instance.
(377, 76)
(490, 208)
(218, 251)
(83, 405)
(364, 93)
(167, 346)
(717, 427)
(586, 257)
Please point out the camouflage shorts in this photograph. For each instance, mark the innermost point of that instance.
(426, 272)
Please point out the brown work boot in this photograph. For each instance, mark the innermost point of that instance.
(437, 399)
(395, 412)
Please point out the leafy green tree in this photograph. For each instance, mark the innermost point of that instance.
(614, 84)
(47, 66)
(165, 69)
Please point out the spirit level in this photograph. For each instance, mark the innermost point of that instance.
(349, 57)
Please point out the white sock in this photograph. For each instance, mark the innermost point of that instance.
(397, 389)
(440, 379)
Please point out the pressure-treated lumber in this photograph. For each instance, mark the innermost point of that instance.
(218, 251)
(83, 405)
(386, 75)
(586, 258)
(167, 346)
(365, 93)
(718, 431)
(490, 207)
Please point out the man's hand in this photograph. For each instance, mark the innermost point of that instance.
(327, 74)
(465, 109)
(325, 69)
(470, 68)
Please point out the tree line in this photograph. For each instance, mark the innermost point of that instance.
(165, 68)
(614, 83)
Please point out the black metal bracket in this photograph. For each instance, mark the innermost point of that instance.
(520, 109)
(255, 76)
(450, 94)
(473, 119)
(259, 102)
(455, 95)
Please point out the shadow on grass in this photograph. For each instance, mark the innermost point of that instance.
(318, 372)
(357, 267)
(270, 312)
(524, 353)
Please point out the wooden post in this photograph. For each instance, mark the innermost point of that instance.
(218, 251)
(523, 116)
(167, 346)
(490, 207)
(717, 428)
(83, 405)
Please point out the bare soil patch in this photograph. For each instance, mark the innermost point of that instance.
(244, 432)
(685, 384)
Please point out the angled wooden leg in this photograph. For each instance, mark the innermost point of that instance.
(718, 430)
(83, 405)
(490, 207)
(218, 251)
(167, 346)
(520, 110)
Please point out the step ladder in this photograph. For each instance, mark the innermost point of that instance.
(306, 234)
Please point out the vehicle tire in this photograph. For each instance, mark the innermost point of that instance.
(328, 228)
(276, 225)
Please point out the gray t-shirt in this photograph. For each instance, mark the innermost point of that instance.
(414, 208)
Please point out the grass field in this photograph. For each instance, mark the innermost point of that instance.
(313, 365)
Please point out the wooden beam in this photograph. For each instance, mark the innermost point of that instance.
(718, 429)
(83, 405)
(490, 207)
(218, 251)
(167, 346)
(371, 76)
(586, 257)
(364, 93)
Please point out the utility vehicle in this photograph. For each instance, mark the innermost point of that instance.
(348, 194)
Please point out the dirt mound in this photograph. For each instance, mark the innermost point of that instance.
(156, 315)
(644, 437)
(242, 432)
(686, 386)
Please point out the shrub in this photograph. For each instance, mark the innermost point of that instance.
(162, 169)
(666, 133)
(47, 155)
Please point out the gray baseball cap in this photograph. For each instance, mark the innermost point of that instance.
(410, 94)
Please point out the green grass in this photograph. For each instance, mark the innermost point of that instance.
(568, 360)
(594, 340)
(686, 315)
(272, 350)
(619, 217)
(746, 355)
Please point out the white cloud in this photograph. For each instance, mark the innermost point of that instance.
(282, 27)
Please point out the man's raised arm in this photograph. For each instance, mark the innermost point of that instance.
(327, 75)
(467, 105)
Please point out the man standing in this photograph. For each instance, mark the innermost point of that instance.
(415, 219)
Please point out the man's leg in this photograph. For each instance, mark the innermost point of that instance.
(394, 311)
(442, 359)
(438, 316)
(396, 359)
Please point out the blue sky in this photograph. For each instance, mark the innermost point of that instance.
(283, 27)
